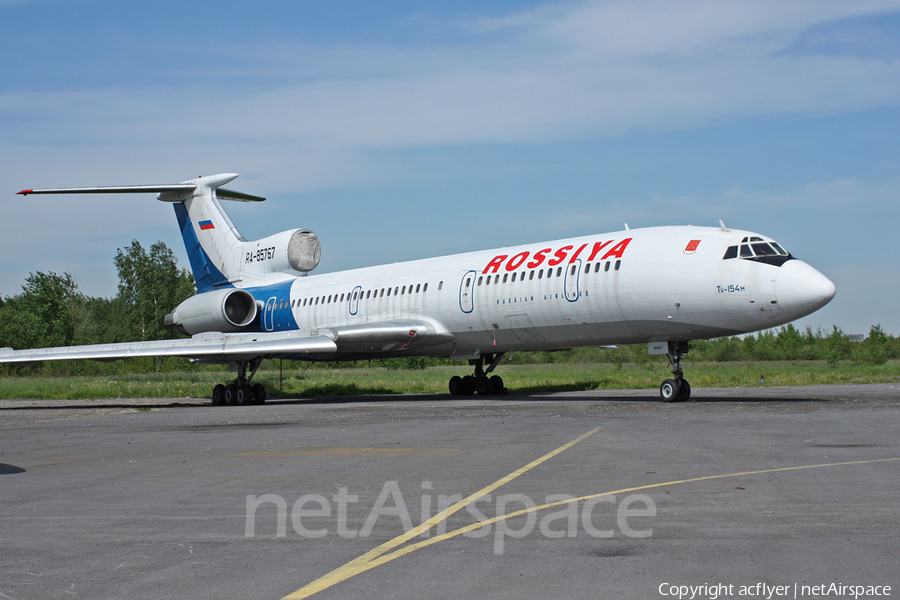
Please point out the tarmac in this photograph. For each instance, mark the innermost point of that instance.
(761, 492)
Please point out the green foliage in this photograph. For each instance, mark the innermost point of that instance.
(374, 378)
(43, 315)
(874, 350)
(150, 286)
(52, 311)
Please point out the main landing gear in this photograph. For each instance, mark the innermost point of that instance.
(240, 391)
(479, 382)
(677, 389)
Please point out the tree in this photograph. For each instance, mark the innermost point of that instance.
(44, 314)
(874, 350)
(150, 286)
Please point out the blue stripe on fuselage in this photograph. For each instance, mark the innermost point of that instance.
(276, 313)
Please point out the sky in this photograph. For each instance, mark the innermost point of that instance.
(399, 130)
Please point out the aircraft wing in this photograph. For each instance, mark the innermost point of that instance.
(206, 347)
(370, 339)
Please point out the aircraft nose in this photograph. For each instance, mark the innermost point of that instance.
(801, 289)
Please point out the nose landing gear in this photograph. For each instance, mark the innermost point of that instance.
(677, 389)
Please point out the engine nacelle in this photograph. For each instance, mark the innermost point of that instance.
(220, 310)
(295, 249)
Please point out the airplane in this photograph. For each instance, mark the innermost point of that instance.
(660, 286)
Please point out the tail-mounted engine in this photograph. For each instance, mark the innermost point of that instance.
(220, 310)
(296, 249)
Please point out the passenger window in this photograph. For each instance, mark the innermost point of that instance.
(606, 268)
(572, 272)
(531, 276)
(505, 277)
(440, 285)
(424, 288)
(419, 286)
(618, 264)
(514, 277)
(480, 279)
(559, 272)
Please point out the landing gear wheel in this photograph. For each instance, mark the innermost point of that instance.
(259, 393)
(670, 390)
(231, 394)
(218, 395)
(685, 394)
(244, 395)
(479, 382)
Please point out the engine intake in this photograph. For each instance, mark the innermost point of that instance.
(220, 310)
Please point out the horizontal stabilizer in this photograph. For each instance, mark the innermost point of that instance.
(239, 196)
(170, 192)
(119, 189)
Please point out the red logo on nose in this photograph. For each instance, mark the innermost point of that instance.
(691, 247)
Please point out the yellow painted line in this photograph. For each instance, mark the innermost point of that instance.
(361, 564)
(383, 557)
(457, 532)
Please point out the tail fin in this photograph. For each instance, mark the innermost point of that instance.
(212, 242)
(210, 238)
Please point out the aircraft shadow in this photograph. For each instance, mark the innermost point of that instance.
(514, 396)
(6, 469)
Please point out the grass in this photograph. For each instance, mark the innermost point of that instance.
(376, 379)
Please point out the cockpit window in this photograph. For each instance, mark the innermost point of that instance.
(758, 250)
(764, 250)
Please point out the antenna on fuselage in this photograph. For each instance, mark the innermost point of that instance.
(722, 225)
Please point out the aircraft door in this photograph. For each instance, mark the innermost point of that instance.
(573, 281)
(354, 299)
(467, 292)
(268, 317)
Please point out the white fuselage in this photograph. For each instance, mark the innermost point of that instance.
(632, 286)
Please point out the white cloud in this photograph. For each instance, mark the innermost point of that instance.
(558, 72)
(820, 194)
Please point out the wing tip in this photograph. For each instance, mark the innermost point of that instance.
(24, 192)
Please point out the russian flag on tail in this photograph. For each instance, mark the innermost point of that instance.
(204, 225)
